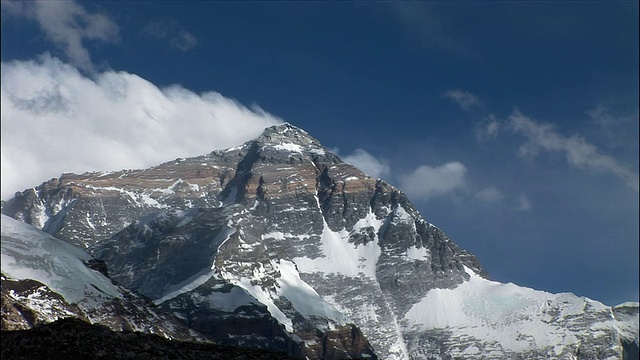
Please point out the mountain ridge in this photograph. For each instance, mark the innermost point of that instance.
(279, 229)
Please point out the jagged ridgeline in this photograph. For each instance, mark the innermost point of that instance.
(278, 244)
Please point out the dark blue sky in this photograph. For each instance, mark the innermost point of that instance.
(534, 105)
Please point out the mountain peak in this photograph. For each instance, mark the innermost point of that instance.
(284, 128)
(285, 131)
(289, 138)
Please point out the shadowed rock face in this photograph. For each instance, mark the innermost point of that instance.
(275, 244)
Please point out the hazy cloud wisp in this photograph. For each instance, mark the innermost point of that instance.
(465, 100)
(67, 24)
(421, 19)
(578, 152)
(178, 37)
(523, 203)
(370, 165)
(539, 137)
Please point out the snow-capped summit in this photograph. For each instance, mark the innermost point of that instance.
(279, 244)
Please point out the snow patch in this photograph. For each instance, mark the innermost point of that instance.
(88, 218)
(140, 199)
(415, 253)
(41, 216)
(343, 257)
(235, 148)
(400, 215)
(302, 296)
(275, 235)
(288, 147)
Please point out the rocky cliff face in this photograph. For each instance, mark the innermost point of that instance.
(279, 244)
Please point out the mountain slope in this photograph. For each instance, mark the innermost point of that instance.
(487, 319)
(279, 244)
(45, 279)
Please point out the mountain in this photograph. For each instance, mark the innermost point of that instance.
(278, 244)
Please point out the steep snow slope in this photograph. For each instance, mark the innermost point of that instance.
(28, 253)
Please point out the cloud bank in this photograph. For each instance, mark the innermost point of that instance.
(55, 119)
(426, 181)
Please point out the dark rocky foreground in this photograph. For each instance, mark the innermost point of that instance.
(74, 339)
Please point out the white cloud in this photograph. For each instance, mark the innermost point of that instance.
(426, 182)
(578, 152)
(370, 165)
(55, 119)
(465, 100)
(67, 24)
